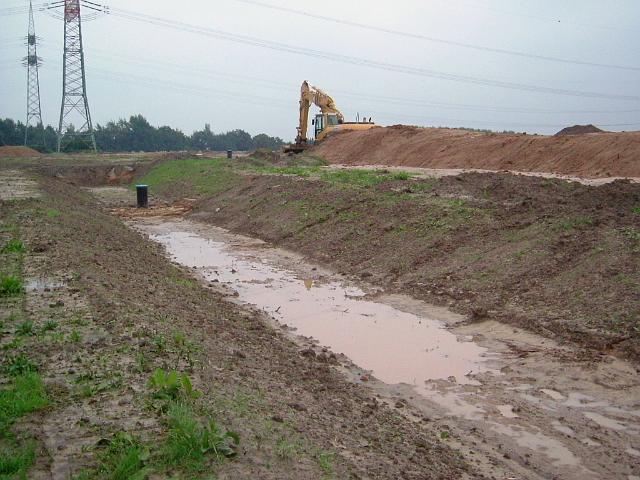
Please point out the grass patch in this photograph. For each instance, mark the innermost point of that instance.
(190, 443)
(298, 171)
(361, 177)
(16, 458)
(52, 213)
(19, 365)
(13, 246)
(568, 224)
(124, 458)
(325, 460)
(204, 176)
(26, 394)
(25, 329)
(11, 286)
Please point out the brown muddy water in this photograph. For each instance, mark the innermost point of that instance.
(394, 345)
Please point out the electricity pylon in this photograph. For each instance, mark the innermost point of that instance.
(32, 62)
(74, 86)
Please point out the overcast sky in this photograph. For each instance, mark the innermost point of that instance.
(185, 80)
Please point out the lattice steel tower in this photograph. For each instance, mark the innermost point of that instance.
(32, 62)
(74, 87)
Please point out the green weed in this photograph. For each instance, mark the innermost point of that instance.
(49, 326)
(160, 343)
(124, 458)
(20, 365)
(141, 362)
(25, 329)
(636, 210)
(75, 337)
(13, 246)
(286, 449)
(190, 442)
(53, 213)
(325, 460)
(171, 385)
(11, 286)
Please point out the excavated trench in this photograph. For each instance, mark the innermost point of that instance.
(501, 392)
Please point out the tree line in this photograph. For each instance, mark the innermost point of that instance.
(137, 134)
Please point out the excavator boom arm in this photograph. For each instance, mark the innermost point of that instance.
(309, 95)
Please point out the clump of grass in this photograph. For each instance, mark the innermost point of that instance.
(26, 394)
(325, 460)
(123, 458)
(49, 326)
(16, 458)
(11, 286)
(13, 246)
(53, 213)
(25, 329)
(75, 337)
(636, 210)
(285, 449)
(190, 442)
(20, 365)
(569, 224)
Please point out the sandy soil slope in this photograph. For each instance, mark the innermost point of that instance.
(589, 155)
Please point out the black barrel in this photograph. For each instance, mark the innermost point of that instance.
(229, 153)
(142, 192)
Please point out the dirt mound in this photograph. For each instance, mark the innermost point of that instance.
(6, 152)
(579, 130)
(604, 155)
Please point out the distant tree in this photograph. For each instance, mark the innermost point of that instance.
(137, 134)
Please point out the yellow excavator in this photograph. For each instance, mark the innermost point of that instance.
(328, 121)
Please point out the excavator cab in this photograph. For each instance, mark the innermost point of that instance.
(324, 122)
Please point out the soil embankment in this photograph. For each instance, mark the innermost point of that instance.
(588, 155)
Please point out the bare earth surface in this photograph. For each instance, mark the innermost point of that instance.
(586, 155)
(508, 302)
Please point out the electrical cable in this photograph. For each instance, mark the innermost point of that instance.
(417, 36)
(422, 72)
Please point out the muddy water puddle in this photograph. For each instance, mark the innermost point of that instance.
(396, 346)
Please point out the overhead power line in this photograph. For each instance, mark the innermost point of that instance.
(422, 72)
(556, 20)
(193, 70)
(418, 36)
